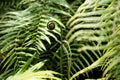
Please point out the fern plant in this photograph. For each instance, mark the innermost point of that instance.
(74, 37)
(91, 29)
(25, 34)
(31, 74)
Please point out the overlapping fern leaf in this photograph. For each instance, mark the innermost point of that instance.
(111, 64)
(76, 49)
(89, 33)
(34, 73)
(90, 30)
(23, 35)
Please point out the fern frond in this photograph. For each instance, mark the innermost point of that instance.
(90, 30)
(35, 73)
(112, 62)
(24, 35)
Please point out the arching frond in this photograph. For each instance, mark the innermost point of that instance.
(90, 30)
(111, 64)
(24, 35)
(34, 73)
(74, 36)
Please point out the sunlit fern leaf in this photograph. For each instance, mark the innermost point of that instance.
(90, 31)
(111, 64)
(34, 73)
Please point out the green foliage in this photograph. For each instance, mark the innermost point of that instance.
(33, 73)
(86, 36)
(92, 30)
(112, 62)
(24, 35)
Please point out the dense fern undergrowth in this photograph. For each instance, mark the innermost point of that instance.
(59, 39)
